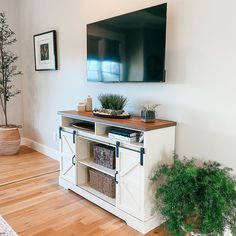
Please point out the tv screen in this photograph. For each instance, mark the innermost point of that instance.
(128, 48)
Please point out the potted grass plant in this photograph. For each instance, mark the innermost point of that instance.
(196, 200)
(112, 106)
(9, 133)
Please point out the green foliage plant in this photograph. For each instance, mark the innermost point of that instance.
(8, 69)
(199, 199)
(150, 107)
(112, 101)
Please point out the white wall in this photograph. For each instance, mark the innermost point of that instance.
(15, 107)
(200, 90)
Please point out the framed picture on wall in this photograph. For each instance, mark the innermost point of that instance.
(45, 51)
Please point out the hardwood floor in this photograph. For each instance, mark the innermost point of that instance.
(26, 164)
(33, 203)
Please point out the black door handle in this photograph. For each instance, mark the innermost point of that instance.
(74, 134)
(60, 129)
(115, 177)
(117, 149)
(142, 152)
(73, 160)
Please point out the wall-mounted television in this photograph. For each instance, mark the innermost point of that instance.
(129, 47)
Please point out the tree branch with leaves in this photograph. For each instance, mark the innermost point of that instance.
(8, 68)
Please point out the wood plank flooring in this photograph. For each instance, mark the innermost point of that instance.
(33, 203)
(26, 164)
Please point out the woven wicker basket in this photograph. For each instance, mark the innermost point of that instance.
(102, 183)
(9, 141)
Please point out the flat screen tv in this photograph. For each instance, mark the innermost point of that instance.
(129, 47)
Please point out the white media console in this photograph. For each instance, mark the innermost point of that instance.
(135, 163)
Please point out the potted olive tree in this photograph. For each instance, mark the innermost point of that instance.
(196, 199)
(9, 134)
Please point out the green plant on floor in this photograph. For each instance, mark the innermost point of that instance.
(8, 69)
(198, 199)
(112, 101)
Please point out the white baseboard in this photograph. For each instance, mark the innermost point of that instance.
(50, 152)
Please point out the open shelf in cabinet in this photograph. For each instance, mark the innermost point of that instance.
(85, 162)
(90, 163)
(69, 123)
(70, 127)
(102, 131)
(136, 146)
(91, 190)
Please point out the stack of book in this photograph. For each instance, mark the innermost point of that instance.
(123, 135)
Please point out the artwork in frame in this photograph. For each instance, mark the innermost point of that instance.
(45, 51)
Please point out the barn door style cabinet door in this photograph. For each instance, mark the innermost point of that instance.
(129, 182)
(134, 197)
(68, 155)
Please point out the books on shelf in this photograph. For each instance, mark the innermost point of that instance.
(122, 138)
(124, 132)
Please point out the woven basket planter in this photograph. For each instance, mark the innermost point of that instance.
(9, 141)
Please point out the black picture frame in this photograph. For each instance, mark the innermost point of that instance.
(45, 51)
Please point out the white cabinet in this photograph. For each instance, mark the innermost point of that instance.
(129, 187)
(68, 156)
(135, 163)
